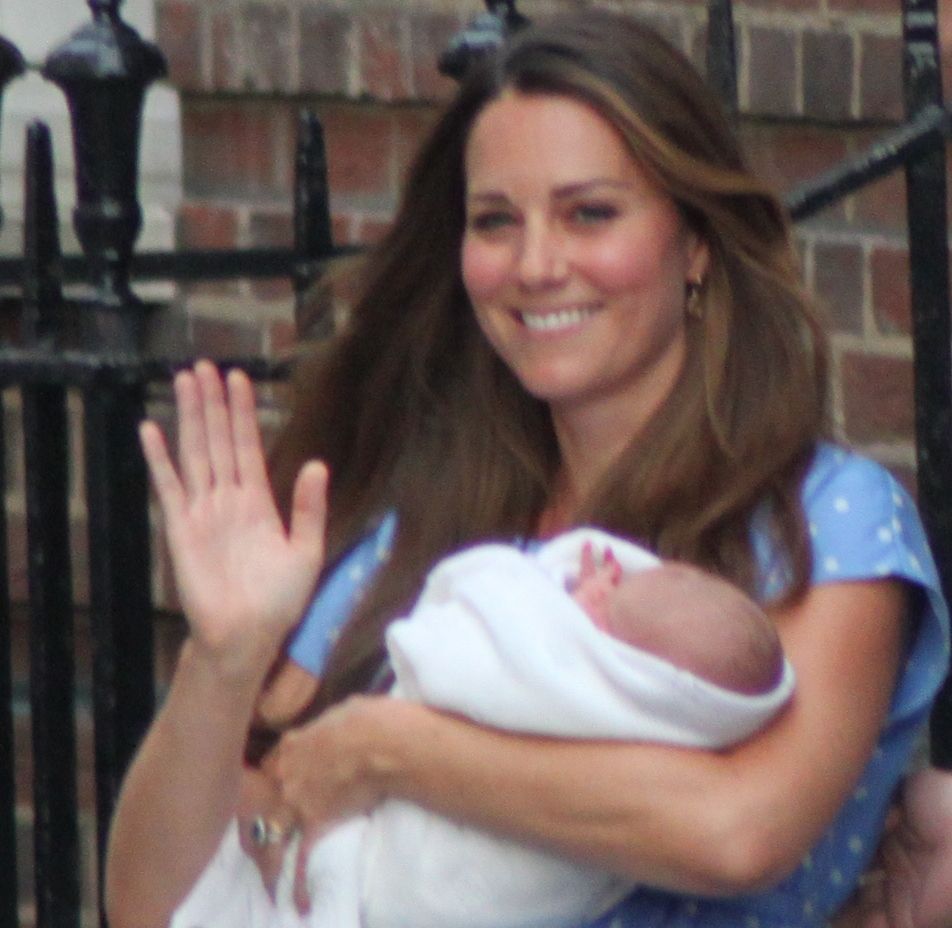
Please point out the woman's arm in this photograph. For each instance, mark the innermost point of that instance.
(243, 582)
(696, 821)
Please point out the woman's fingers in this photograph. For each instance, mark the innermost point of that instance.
(217, 418)
(168, 487)
(246, 436)
(219, 438)
(192, 441)
(309, 507)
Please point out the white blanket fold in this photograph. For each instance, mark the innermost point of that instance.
(495, 637)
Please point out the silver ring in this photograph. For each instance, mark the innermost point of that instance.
(266, 831)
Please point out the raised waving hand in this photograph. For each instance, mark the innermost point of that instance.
(243, 579)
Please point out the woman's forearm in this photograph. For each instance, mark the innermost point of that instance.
(180, 792)
(543, 791)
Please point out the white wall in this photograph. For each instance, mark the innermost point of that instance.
(36, 27)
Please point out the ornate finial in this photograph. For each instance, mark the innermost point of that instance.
(483, 35)
(104, 8)
(104, 69)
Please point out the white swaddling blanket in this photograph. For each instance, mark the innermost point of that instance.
(494, 637)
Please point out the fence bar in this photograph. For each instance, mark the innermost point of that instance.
(900, 147)
(312, 212)
(120, 581)
(721, 54)
(932, 334)
(51, 658)
(52, 683)
(8, 794)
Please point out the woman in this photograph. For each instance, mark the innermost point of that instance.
(588, 311)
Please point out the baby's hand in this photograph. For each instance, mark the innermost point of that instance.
(597, 580)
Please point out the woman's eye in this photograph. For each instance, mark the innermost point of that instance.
(593, 213)
(490, 221)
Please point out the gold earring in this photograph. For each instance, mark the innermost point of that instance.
(692, 299)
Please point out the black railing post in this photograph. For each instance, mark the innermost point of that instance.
(8, 794)
(104, 70)
(11, 64)
(52, 683)
(721, 59)
(932, 334)
(486, 32)
(313, 237)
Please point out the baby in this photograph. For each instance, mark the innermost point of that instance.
(691, 618)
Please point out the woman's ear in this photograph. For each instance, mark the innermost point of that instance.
(699, 257)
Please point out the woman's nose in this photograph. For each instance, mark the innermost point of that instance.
(542, 260)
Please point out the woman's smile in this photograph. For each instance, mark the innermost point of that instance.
(556, 321)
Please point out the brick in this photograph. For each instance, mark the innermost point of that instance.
(282, 338)
(878, 398)
(271, 230)
(881, 206)
(226, 338)
(796, 6)
(205, 225)
(430, 35)
(252, 49)
(342, 228)
(240, 148)
(325, 49)
(881, 78)
(838, 284)
(772, 72)
(179, 34)
(827, 75)
(787, 157)
(383, 45)
(889, 276)
(359, 150)
(371, 229)
(864, 6)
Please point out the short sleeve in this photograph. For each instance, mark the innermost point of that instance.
(338, 595)
(864, 526)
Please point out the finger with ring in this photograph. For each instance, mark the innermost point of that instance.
(266, 831)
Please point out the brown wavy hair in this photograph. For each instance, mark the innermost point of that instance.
(414, 412)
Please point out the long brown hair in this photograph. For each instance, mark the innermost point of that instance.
(415, 414)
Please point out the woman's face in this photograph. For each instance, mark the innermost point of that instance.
(574, 261)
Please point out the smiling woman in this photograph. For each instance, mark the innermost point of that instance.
(577, 266)
(587, 313)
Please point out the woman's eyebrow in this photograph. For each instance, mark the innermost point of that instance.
(562, 192)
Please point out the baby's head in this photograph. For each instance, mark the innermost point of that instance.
(698, 622)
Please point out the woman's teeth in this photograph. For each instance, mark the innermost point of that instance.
(553, 321)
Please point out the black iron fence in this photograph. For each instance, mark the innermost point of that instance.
(95, 345)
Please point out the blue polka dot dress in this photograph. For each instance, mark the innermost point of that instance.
(863, 525)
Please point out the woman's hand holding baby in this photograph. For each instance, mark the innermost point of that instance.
(332, 769)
